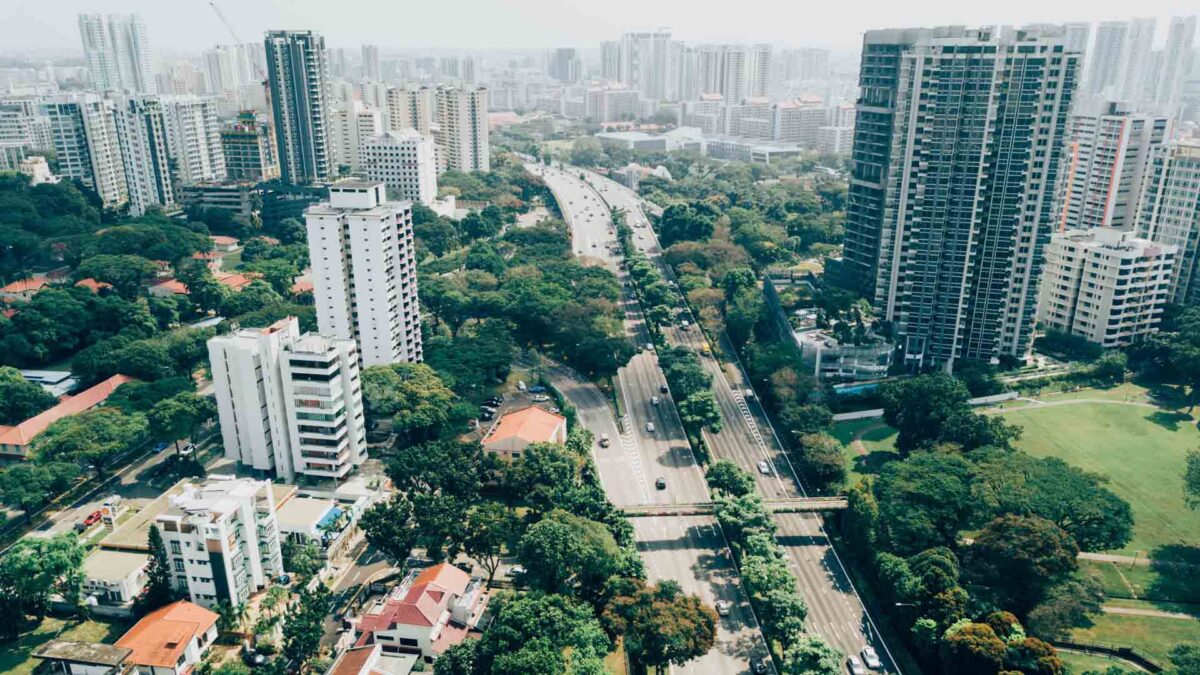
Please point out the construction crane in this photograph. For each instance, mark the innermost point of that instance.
(237, 40)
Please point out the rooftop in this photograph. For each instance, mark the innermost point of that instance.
(24, 285)
(24, 433)
(532, 424)
(111, 566)
(90, 653)
(303, 514)
(161, 637)
(420, 602)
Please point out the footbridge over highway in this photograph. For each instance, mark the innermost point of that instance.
(784, 505)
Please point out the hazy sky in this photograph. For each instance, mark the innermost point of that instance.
(186, 25)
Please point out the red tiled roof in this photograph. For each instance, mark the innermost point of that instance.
(531, 424)
(173, 285)
(352, 661)
(302, 286)
(222, 240)
(26, 431)
(24, 285)
(451, 635)
(424, 602)
(235, 281)
(207, 255)
(93, 285)
(161, 637)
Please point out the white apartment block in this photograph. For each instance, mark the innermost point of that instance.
(289, 403)
(142, 135)
(194, 138)
(1169, 212)
(835, 140)
(798, 122)
(1105, 285)
(405, 161)
(462, 134)
(84, 136)
(409, 108)
(350, 125)
(117, 51)
(1107, 154)
(222, 540)
(364, 273)
(611, 105)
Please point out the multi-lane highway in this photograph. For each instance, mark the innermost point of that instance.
(691, 550)
(836, 613)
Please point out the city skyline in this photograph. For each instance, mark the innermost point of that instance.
(537, 24)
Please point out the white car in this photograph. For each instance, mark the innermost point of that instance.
(650, 427)
(764, 468)
(723, 607)
(541, 398)
(871, 658)
(654, 400)
(855, 666)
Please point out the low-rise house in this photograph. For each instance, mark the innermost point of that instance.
(83, 658)
(516, 430)
(371, 660)
(93, 285)
(114, 577)
(17, 441)
(23, 289)
(426, 614)
(171, 640)
(223, 243)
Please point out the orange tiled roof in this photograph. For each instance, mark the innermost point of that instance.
(424, 601)
(93, 285)
(531, 424)
(235, 281)
(207, 255)
(222, 240)
(24, 285)
(352, 661)
(161, 637)
(26, 431)
(174, 285)
(302, 286)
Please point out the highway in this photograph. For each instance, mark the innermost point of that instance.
(689, 550)
(836, 612)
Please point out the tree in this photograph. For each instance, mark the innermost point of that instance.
(686, 222)
(810, 655)
(450, 467)
(924, 501)
(28, 486)
(303, 559)
(203, 288)
(1066, 606)
(180, 416)
(661, 624)
(126, 273)
(305, 624)
(728, 478)
(700, 411)
(536, 633)
(1191, 479)
(563, 553)
(34, 568)
(860, 520)
(918, 408)
(159, 589)
(19, 398)
(388, 527)
(92, 437)
(490, 529)
(805, 419)
(1186, 659)
(459, 659)
(972, 648)
(822, 460)
(411, 395)
(980, 377)
(783, 613)
(1018, 558)
(1111, 368)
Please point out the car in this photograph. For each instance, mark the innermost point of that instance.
(723, 607)
(684, 324)
(92, 518)
(488, 408)
(283, 579)
(188, 450)
(537, 389)
(758, 666)
(487, 416)
(253, 658)
(871, 658)
(540, 398)
(855, 666)
(161, 446)
(663, 389)
(654, 400)
(516, 570)
(650, 427)
(660, 483)
(593, 244)
(604, 440)
(648, 347)
(521, 385)
(764, 468)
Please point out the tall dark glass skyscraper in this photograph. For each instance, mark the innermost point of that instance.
(957, 147)
(298, 77)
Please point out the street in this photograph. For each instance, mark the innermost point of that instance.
(836, 613)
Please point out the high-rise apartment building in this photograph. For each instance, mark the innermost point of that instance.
(642, 63)
(222, 540)
(1107, 153)
(351, 124)
(142, 137)
(194, 138)
(410, 108)
(610, 61)
(83, 131)
(1121, 60)
(1075, 37)
(1105, 285)
(298, 77)
(249, 149)
(117, 51)
(957, 146)
(564, 65)
(1169, 212)
(364, 272)
(370, 63)
(462, 133)
(1176, 64)
(405, 161)
(22, 130)
(289, 404)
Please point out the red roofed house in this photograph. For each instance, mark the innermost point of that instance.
(170, 640)
(93, 285)
(370, 660)
(518, 429)
(223, 243)
(235, 282)
(23, 289)
(18, 439)
(426, 614)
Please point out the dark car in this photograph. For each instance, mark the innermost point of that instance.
(485, 415)
(661, 483)
(253, 658)
(663, 389)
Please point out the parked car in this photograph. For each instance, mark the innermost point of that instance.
(650, 427)
(855, 666)
(92, 518)
(723, 607)
(654, 400)
(188, 450)
(253, 658)
(537, 389)
(488, 416)
(660, 483)
(541, 398)
(758, 667)
(521, 385)
(604, 440)
(161, 446)
(487, 408)
(871, 658)
(764, 468)
(663, 389)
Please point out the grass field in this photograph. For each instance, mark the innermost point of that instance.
(1140, 450)
(15, 658)
(878, 440)
(1152, 635)
(1162, 584)
(1078, 663)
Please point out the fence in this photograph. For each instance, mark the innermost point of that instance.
(1131, 654)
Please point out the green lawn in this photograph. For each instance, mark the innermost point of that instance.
(1140, 450)
(1160, 584)
(15, 658)
(1078, 663)
(879, 442)
(1154, 636)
